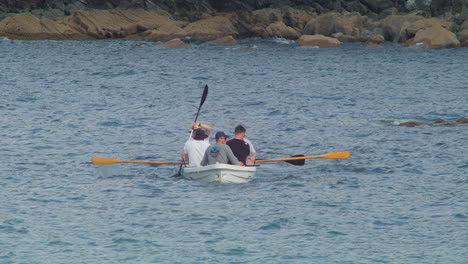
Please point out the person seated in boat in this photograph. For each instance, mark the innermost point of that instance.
(239, 147)
(253, 154)
(195, 147)
(219, 152)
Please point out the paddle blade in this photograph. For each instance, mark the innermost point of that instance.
(299, 162)
(104, 161)
(336, 155)
(205, 94)
(299, 159)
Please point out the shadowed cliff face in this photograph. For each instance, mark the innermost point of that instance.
(194, 9)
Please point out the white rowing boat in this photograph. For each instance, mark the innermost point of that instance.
(224, 173)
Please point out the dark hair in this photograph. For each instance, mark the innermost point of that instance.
(239, 129)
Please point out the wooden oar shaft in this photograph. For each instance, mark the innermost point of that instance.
(333, 155)
(110, 161)
(153, 162)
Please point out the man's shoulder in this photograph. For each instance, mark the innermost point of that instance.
(238, 142)
(234, 141)
(196, 143)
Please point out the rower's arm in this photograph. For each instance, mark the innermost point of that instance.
(206, 127)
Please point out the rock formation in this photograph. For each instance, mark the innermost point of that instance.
(228, 40)
(437, 23)
(175, 44)
(320, 41)
(459, 121)
(435, 37)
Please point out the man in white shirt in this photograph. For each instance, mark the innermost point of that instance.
(253, 154)
(195, 147)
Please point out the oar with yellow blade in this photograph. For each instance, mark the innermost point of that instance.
(110, 161)
(299, 160)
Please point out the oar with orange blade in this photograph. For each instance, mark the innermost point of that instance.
(110, 161)
(299, 160)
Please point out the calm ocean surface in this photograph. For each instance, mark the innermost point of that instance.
(401, 198)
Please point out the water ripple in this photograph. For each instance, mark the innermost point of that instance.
(64, 102)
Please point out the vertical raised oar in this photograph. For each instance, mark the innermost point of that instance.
(202, 101)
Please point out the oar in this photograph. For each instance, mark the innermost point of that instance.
(110, 161)
(299, 160)
(204, 95)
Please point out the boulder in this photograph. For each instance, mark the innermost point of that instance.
(408, 30)
(441, 7)
(116, 23)
(435, 37)
(211, 28)
(331, 23)
(175, 44)
(344, 38)
(132, 29)
(25, 26)
(89, 24)
(165, 32)
(318, 41)
(464, 43)
(377, 6)
(413, 124)
(280, 30)
(297, 19)
(391, 25)
(376, 41)
(462, 35)
(464, 25)
(423, 5)
(269, 23)
(266, 16)
(228, 40)
(463, 16)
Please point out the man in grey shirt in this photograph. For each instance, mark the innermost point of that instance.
(219, 152)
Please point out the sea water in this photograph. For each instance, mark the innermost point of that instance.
(400, 198)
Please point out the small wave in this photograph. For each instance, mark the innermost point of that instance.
(59, 243)
(275, 224)
(310, 47)
(4, 39)
(419, 45)
(274, 113)
(461, 216)
(12, 229)
(110, 124)
(122, 240)
(284, 41)
(336, 233)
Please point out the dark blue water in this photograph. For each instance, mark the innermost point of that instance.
(401, 198)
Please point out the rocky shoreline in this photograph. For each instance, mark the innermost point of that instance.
(318, 23)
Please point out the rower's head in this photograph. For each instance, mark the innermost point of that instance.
(199, 134)
(239, 132)
(221, 137)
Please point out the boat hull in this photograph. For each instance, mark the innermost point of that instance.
(224, 173)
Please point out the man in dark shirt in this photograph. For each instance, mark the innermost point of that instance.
(239, 147)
